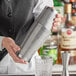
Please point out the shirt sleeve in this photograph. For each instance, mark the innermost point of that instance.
(41, 5)
(1, 37)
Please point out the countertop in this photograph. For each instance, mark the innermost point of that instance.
(34, 75)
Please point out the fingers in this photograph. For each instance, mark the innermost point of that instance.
(58, 15)
(57, 22)
(61, 17)
(12, 48)
(15, 47)
(15, 58)
(54, 29)
(57, 19)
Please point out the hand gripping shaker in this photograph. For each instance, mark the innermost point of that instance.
(37, 34)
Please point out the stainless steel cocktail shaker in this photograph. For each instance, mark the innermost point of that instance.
(38, 33)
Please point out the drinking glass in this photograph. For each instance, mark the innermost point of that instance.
(43, 66)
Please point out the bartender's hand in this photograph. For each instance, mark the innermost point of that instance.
(57, 22)
(12, 48)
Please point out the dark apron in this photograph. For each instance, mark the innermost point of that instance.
(14, 16)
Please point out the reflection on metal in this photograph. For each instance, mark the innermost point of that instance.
(65, 61)
(38, 33)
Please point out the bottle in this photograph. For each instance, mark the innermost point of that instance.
(59, 6)
(73, 53)
(57, 3)
(73, 2)
(68, 31)
(49, 48)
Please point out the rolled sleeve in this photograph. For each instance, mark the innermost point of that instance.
(41, 5)
(1, 37)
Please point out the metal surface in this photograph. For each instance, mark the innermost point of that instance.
(65, 60)
(38, 33)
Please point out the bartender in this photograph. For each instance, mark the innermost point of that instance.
(13, 15)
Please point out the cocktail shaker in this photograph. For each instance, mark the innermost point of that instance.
(37, 34)
(65, 62)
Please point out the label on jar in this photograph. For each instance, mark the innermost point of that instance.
(45, 52)
(68, 39)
